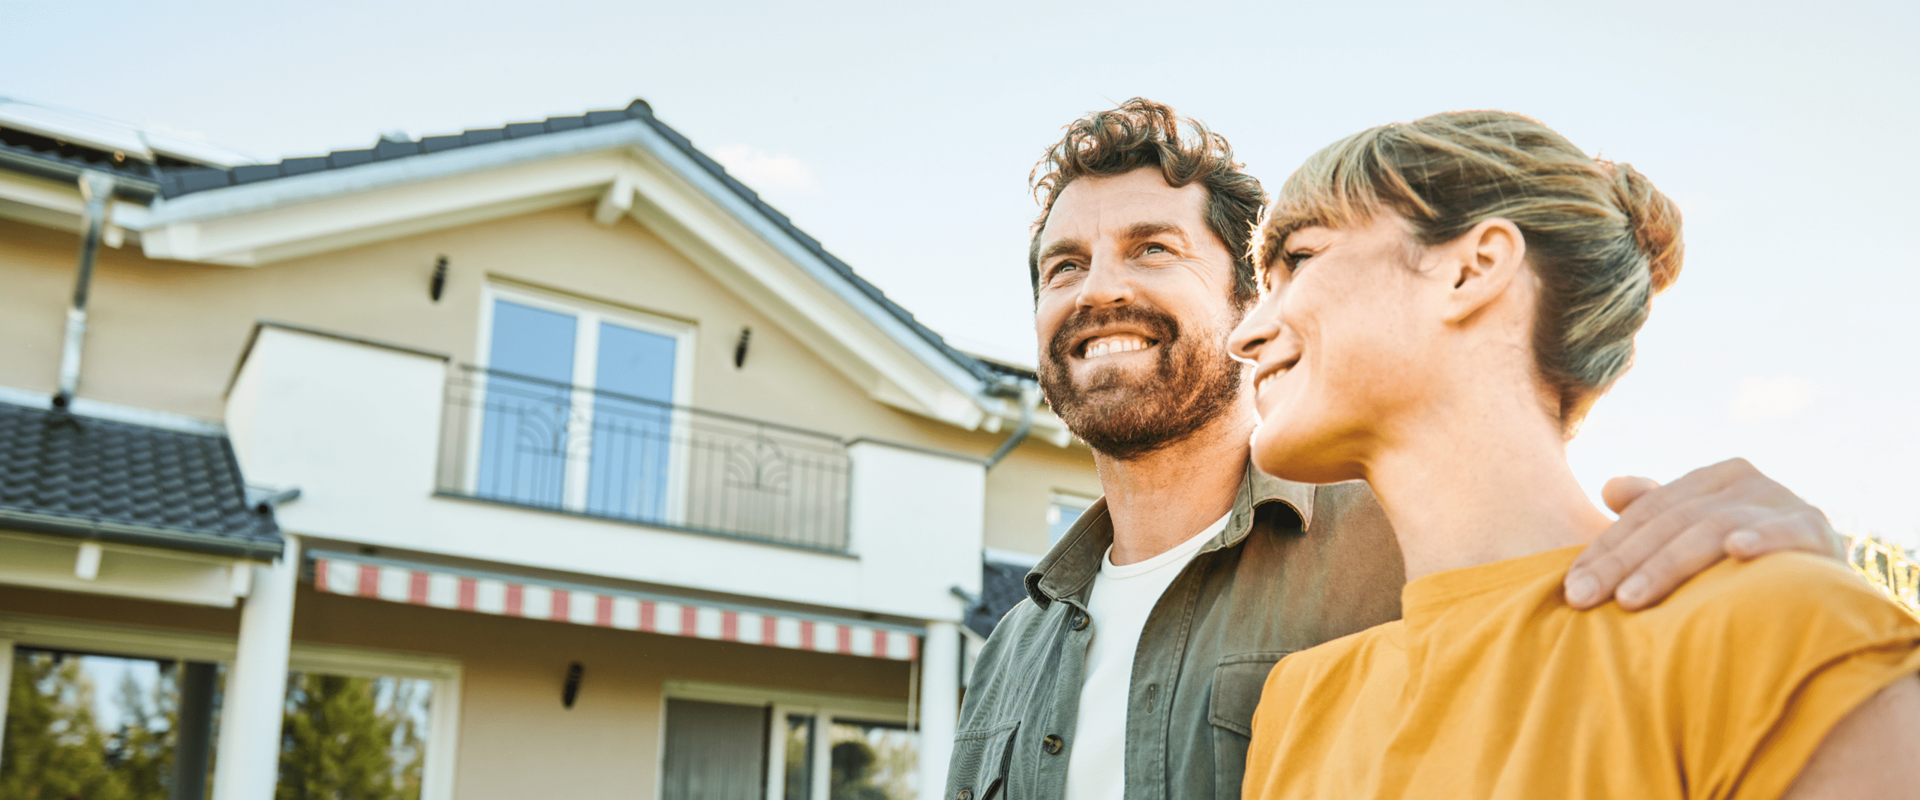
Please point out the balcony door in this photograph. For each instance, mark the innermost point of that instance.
(579, 410)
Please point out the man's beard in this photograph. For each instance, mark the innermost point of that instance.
(1124, 417)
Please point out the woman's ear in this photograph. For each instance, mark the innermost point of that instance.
(1482, 264)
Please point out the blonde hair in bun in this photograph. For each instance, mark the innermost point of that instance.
(1602, 240)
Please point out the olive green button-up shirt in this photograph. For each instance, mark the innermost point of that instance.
(1297, 565)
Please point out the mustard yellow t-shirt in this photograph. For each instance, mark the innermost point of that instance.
(1491, 686)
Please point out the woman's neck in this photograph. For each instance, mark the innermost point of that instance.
(1475, 487)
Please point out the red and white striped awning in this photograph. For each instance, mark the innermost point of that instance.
(441, 587)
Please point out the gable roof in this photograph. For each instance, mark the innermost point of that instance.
(95, 478)
(176, 183)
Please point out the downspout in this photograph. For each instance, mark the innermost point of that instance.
(95, 188)
(1029, 392)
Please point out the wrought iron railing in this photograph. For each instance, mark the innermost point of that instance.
(529, 442)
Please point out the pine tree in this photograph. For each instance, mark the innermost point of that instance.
(53, 750)
(336, 744)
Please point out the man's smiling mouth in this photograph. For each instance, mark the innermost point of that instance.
(1114, 344)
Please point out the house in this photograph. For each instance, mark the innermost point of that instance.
(545, 460)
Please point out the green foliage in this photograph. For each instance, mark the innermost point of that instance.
(54, 749)
(339, 743)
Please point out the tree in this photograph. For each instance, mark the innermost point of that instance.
(337, 743)
(53, 749)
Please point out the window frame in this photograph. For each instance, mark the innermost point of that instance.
(1060, 497)
(443, 717)
(588, 315)
(825, 708)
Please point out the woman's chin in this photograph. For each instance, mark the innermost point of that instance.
(1296, 456)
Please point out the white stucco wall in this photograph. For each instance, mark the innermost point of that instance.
(356, 428)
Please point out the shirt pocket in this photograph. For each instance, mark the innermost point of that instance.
(1237, 682)
(981, 760)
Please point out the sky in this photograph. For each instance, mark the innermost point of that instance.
(901, 136)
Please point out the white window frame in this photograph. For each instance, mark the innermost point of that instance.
(588, 315)
(825, 709)
(443, 716)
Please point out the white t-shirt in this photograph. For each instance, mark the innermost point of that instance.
(1119, 603)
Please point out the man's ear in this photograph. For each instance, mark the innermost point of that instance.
(1481, 265)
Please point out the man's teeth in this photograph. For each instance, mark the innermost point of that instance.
(1114, 344)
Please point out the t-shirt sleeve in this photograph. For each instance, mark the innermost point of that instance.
(1770, 659)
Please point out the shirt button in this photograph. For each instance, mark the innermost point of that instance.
(963, 794)
(1079, 621)
(1151, 689)
(1052, 744)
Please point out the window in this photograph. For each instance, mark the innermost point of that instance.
(98, 711)
(737, 743)
(1063, 512)
(580, 407)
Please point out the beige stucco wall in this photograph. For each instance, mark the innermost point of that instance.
(516, 740)
(167, 335)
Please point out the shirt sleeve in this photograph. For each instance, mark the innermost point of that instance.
(1770, 660)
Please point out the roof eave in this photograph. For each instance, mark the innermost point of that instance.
(253, 547)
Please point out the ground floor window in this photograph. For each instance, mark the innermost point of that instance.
(739, 743)
(104, 714)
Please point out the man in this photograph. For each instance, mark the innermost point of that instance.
(1133, 668)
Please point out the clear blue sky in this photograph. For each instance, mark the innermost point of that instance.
(901, 136)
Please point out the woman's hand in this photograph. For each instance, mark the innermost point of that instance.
(1667, 534)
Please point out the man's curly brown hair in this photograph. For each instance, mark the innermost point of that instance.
(1142, 133)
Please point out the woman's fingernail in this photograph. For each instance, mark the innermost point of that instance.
(1634, 590)
(1745, 541)
(1582, 589)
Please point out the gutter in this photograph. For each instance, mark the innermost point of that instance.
(1029, 392)
(145, 535)
(128, 186)
(95, 188)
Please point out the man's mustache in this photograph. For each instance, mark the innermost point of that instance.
(1158, 325)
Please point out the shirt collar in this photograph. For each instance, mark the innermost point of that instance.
(1068, 569)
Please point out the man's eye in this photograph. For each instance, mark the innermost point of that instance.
(1153, 248)
(1295, 259)
(1064, 266)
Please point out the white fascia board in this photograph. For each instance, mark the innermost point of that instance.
(237, 200)
(63, 203)
(691, 172)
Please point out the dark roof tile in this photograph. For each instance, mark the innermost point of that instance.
(350, 158)
(521, 130)
(604, 117)
(301, 166)
(194, 180)
(255, 172)
(85, 476)
(558, 124)
(484, 135)
(388, 149)
(435, 144)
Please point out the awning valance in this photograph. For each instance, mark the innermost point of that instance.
(450, 588)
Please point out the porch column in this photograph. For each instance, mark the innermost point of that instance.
(248, 757)
(939, 705)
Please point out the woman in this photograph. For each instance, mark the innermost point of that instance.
(1444, 300)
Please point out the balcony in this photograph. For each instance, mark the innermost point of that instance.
(531, 443)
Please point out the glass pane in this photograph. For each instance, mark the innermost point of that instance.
(88, 726)
(872, 761)
(523, 441)
(799, 743)
(632, 424)
(714, 751)
(1061, 515)
(352, 737)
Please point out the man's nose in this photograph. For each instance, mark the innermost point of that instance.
(1106, 284)
(1256, 330)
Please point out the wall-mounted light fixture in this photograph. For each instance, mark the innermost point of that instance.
(572, 689)
(439, 284)
(740, 350)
